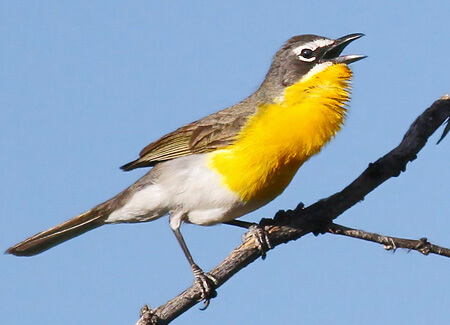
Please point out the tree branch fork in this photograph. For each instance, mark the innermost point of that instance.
(318, 218)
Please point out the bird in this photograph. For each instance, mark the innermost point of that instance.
(234, 161)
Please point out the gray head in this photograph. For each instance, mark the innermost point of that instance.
(302, 53)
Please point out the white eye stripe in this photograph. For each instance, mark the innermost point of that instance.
(298, 52)
(313, 45)
(307, 59)
(321, 42)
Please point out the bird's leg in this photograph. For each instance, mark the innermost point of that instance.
(206, 282)
(256, 231)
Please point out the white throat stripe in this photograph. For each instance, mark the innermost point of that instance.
(318, 68)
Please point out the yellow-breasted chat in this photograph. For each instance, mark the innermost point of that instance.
(232, 162)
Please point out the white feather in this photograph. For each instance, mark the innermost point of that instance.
(313, 45)
(188, 190)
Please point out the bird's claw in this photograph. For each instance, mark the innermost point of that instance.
(207, 284)
(262, 238)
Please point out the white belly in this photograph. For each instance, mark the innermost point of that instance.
(185, 187)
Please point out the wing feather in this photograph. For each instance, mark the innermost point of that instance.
(208, 134)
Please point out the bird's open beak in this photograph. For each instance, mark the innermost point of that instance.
(335, 49)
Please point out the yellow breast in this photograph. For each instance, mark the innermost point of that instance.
(281, 136)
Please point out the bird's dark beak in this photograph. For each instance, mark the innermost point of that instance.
(335, 49)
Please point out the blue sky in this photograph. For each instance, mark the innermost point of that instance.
(85, 85)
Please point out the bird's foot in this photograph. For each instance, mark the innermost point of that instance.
(261, 236)
(207, 284)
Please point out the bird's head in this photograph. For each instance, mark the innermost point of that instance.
(307, 54)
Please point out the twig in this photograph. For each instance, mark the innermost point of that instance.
(293, 224)
(391, 243)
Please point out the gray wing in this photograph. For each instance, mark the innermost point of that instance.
(208, 134)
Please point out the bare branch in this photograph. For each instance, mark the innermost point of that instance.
(293, 224)
(391, 243)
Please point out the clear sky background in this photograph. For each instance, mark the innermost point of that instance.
(85, 85)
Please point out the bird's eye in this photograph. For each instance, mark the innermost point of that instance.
(307, 53)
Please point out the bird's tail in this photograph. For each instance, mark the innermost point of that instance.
(60, 233)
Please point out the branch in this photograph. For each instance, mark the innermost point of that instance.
(391, 243)
(293, 224)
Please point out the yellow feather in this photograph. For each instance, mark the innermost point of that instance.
(281, 136)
